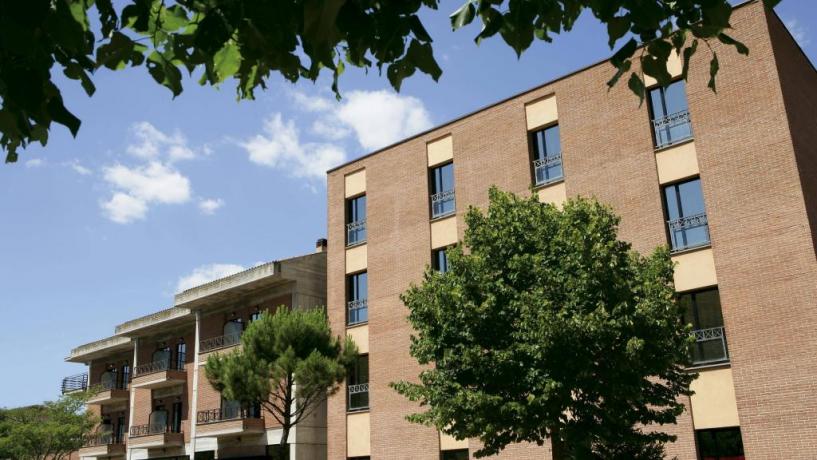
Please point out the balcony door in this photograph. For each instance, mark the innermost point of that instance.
(162, 357)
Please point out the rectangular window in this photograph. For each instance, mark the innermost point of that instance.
(439, 259)
(547, 156)
(720, 444)
(458, 454)
(442, 190)
(356, 220)
(686, 215)
(176, 426)
(703, 310)
(357, 294)
(357, 385)
(670, 114)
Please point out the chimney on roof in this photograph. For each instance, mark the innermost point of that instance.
(320, 245)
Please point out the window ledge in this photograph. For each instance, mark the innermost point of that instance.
(706, 367)
(356, 244)
(358, 411)
(689, 250)
(674, 144)
(548, 184)
(444, 216)
(352, 326)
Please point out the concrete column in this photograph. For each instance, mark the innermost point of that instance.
(194, 402)
(132, 399)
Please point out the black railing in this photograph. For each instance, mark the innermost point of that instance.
(110, 385)
(151, 429)
(548, 170)
(358, 396)
(672, 129)
(103, 439)
(443, 204)
(689, 232)
(356, 232)
(159, 366)
(74, 383)
(215, 343)
(358, 311)
(710, 346)
(220, 415)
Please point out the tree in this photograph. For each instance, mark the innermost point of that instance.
(550, 327)
(50, 431)
(250, 40)
(289, 362)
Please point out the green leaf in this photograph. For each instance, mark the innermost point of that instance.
(617, 27)
(727, 40)
(624, 53)
(688, 53)
(58, 113)
(636, 85)
(714, 67)
(165, 73)
(463, 16)
(770, 3)
(173, 18)
(421, 55)
(625, 67)
(227, 61)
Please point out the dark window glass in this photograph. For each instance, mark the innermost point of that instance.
(162, 357)
(255, 316)
(442, 190)
(158, 419)
(670, 113)
(720, 444)
(176, 426)
(356, 220)
(357, 293)
(440, 259)
(703, 311)
(230, 409)
(181, 354)
(232, 331)
(125, 376)
(121, 429)
(109, 379)
(357, 384)
(459, 454)
(688, 225)
(547, 155)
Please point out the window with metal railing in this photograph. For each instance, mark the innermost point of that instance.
(439, 259)
(547, 156)
(357, 303)
(687, 223)
(702, 310)
(670, 114)
(356, 220)
(357, 385)
(443, 200)
(72, 383)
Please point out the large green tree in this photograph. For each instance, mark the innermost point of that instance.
(251, 40)
(550, 327)
(50, 431)
(289, 362)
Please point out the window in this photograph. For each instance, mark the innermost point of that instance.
(442, 190)
(670, 114)
(161, 358)
(357, 385)
(232, 332)
(255, 316)
(356, 220)
(121, 429)
(176, 419)
(125, 375)
(230, 409)
(108, 379)
(720, 444)
(439, 259)
(357, 303)
(703, 310)
(547, 156)
(458, 454)
(181, 352)
(687, 222)
(158, 419)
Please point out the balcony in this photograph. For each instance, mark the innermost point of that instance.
(103, 445)
(443, 204)
(689, 232)
(357, 312)
(159, 374)
(356, 233)
(548, 170)
(109, 393)
(155, 436)
(710, 347)
(358, 399)
(219, 343)
(672, 129)
(74, 383)
(223, 423)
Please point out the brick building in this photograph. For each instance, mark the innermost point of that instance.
(148, 379)
(727, 180)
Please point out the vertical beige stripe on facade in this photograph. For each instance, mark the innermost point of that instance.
(357, 435)
(555, 194)
(713, 404)
(440, 151)
(676, 163)
(675, 67)
(448, 442)
(694, 270)
(541, 112)
(360, 334)
(355, 183)
(356, 259)
(443, 232)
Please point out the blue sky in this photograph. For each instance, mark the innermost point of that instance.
(157, 194)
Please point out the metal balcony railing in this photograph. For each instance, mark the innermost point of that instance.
(215, 343)
(220, 415)
(689, 232)
(151, 429)
(356, 232)
(358, 311)
(78, 382)
(672, 129)
(103, 439)
(710, 347)
(159, 366)
(548, 170)
(358, 396)
(442, 204)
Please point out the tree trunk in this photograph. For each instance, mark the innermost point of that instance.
(283, 451)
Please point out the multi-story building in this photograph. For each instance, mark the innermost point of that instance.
(727, 180)
(148, 381)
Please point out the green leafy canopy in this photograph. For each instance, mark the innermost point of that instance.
(547, 326)
(248, 41)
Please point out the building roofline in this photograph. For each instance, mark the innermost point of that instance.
(489, 106)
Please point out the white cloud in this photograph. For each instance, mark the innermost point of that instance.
(798, 31)
(205, 274)
(279, 146)
(330, 129)
(210, 206)
(380, 118)
(151, 143)
(312, 103)
(79, 169)
(35, 163)
(123, 208)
